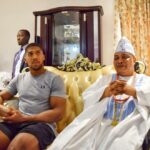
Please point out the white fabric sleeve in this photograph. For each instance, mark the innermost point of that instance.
(93, 94)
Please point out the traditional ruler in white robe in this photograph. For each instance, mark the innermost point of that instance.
(92, 131)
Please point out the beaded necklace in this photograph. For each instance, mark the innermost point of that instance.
(120, 99)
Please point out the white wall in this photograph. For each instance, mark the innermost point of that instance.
(18, 14)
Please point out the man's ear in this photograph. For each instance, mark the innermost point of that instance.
(25, 59)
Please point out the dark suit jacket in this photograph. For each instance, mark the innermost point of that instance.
(23, 65)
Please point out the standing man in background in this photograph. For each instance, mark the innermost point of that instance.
(23, 37)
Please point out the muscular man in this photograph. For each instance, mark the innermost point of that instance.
(41, 104)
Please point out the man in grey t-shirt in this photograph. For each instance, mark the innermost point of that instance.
(41, 104)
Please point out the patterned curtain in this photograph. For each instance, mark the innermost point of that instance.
(132, 19)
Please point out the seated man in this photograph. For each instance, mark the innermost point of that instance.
(116, 109)
(41, 104)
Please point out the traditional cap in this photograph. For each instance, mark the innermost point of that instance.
(124, 45)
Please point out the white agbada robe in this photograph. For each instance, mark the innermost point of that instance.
(91, 131)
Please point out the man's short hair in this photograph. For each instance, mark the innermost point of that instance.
(32, 45)
(27, 33)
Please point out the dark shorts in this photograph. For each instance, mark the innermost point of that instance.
(41, 131)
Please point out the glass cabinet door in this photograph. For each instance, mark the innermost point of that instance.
(66, 37)
(64, 32)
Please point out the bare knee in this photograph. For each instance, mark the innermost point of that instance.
(4, 140)
(24, 141)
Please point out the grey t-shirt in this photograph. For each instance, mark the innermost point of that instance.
(35, 91)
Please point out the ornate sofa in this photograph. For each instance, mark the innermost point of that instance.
(75, 83)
